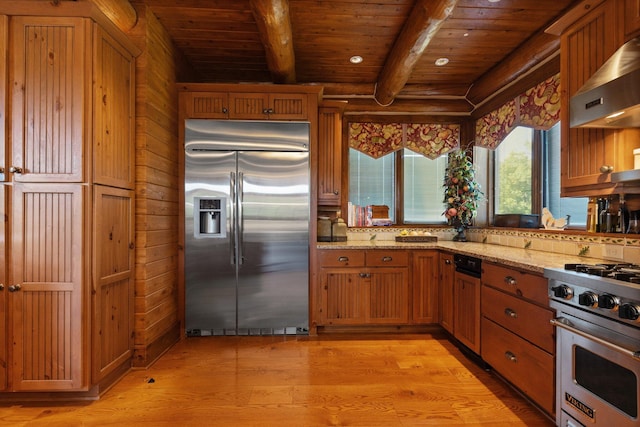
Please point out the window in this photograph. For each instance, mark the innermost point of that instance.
(524, 155)
(420, 197)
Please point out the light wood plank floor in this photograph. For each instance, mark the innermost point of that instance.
(382, 380)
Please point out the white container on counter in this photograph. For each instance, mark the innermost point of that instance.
(636, 158)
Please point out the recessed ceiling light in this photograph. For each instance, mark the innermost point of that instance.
(355, 59)
(442, 61)
(494, 1)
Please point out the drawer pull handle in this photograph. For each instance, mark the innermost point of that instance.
(363, 275)
(510, 281)
(343, 259)
(511, 313)
(387, 259)
(511, 357)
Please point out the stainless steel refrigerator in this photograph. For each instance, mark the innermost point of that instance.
(247, 196)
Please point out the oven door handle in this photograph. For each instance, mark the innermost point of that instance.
(564, 323)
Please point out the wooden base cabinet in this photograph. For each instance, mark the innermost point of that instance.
(445, 291)
(363, 287)
(466, 317)
(424, 286)
(518, 340)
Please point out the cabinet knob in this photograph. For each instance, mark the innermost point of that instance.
(225, 110)
(510, 281)
(15, 169)
(1, 169)
(447, 261)
(335, 192)
(510, 356)
(1, 286)
(511, 313)
(15, 288)
(606, 169)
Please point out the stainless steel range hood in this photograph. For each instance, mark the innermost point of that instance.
(611, 97)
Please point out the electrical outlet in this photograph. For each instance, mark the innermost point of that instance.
(615, 252)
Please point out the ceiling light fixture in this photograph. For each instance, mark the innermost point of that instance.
(442, 61)
(355, 59)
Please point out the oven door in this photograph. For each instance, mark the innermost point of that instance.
(597, 374)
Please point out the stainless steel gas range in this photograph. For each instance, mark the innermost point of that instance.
(598, 344)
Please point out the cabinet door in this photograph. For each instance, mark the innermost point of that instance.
(288, 106)
(329, 156)
(3, 290)
(113, 281)
(631, 18)
(4, 41)
(48, 73)
(206, 105)
(387, 290)
(467, 311)
(47, 312)
(424, 279)
(248, 106)
(113, 113)
(585, 46)
(447, 283)
(344, 296)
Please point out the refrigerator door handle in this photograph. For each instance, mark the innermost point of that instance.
(240, 208)
(232, 237)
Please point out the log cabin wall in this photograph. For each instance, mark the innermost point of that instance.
(157, 189)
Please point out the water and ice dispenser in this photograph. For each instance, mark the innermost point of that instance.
(209, 217)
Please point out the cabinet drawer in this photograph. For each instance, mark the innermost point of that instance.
(382, 258)
(528, 320)
(345, 258)
(523, 364)
(526, 285)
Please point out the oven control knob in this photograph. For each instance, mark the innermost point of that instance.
(608, 301)
(629, 311)
(589, 299)
(562, 291)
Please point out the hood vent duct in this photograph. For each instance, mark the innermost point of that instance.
(611, 97)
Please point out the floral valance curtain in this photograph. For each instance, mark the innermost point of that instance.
(380, 139)
(539, 108)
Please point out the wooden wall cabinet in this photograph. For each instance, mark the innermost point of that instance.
(72, 126)
(466, 313)
(364, 287)
(202, 101)
(590, 155)
(631, 18)
(330, 154)
(518, 340)
(445, 291)
(424, 286)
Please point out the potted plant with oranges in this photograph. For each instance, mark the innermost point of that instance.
(461, 193)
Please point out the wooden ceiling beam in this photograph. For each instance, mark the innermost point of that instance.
(120, 12)
(536, 50)
(425, 20)
(274, 24)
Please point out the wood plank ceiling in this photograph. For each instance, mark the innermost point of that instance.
(487, 43)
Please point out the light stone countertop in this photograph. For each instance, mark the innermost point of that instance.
(525, 259)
